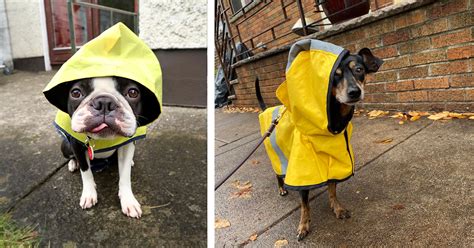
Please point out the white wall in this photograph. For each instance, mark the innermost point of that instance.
(25, 29)
(168, 24)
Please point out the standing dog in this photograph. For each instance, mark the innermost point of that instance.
(310, 147)
(106, 95)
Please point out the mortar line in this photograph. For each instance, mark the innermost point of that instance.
(37, 186)
(276, 222)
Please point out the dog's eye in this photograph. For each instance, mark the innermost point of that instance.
(76, 93)
(359, 69)
(132, 93)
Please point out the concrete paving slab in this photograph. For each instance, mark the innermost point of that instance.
(169, 177)
(233, 126)
(415, 195)
(251, 138)
(29, 145)
(265, 207)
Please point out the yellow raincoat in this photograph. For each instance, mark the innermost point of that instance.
(304, 148)
(115, 52)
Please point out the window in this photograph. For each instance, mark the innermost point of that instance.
(237, 5)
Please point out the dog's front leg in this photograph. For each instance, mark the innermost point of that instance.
(336, 206)
(130, 205)
(89, 194)
(303, 228)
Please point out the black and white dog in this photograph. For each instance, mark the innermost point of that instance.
(104, 108)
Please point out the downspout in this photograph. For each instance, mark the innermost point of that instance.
(44, 36)
(6, 60)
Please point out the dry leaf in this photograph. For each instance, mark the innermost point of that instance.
(468, 114)
(439, 116)
(384, 141)
(401, 122)
(398, 207)
(254, 161)
(397, 115)
(244, 189)
(221, 223)
(253, 237)
(281, 243)
(471, 117)
(415, 117)
(377, 113)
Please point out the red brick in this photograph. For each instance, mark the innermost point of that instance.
(413, 72)
(446, 95)
(431, 83)
(470, 95)
(385, 76)
(378, 28)
(465, 19)
(428, 57)
(461, 52)
(396, 37)
(380, 97)
(412, 18)
(413, 46)
(374, 88)
(466, 80)
(386, 52)
(430, 28)
(457, 37)
(399, 86)
(412, 96)
(397, 62)
(446, 8)
(450, 68)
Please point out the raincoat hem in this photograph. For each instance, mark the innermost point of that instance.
(315, 186)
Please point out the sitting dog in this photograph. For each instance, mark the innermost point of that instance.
(106, 95)
(310, 146)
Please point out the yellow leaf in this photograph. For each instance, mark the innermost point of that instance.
(244, 189)
(424, 113)
(253, 237)
(377, 113)
(281, 243)
(471, 117)
(468, 114)
(455, 115)
(414, 113)
(401, 122)
(384, 141)
(414, 118)
(438, 116)
(397, 115)
(221, 223)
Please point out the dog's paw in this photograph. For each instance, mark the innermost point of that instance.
(303, 230)
(88, 198)
(72, 165)
(342, 213)
(282, 192)
(130, 205)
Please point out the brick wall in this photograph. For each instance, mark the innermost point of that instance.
(428, 53)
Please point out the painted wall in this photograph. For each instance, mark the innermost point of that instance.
(166, 24)
(25, 29)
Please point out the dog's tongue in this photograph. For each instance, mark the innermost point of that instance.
(99, 128)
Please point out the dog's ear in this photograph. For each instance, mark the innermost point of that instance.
(372, 63)
(148, 111)
(59, 95)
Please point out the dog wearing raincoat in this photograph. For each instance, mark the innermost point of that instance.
(106, 94)
(310, 147)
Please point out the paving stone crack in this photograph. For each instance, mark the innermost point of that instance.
(35, 187)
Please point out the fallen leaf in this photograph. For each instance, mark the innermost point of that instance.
(415, 117)
(471, 117)
(401, 122)
(254, 161)
(281, 243)
(253, 237)
(439, 116)
(398, 207)
(397, 115)
(377, 113)
(468, 114)
(244, 189)
(221, 223)
(384, 141)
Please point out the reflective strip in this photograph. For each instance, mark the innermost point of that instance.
(309, 44)
(276, 148)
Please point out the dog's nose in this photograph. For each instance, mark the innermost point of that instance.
(104, 104)
(354, 92)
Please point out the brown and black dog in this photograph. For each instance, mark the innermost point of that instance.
(347, 90)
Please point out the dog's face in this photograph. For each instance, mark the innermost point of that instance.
(349, 77)
(105, 107)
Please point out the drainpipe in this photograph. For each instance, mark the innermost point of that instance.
(44, 36)
(6, 60)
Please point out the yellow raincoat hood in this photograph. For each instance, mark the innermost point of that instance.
(305, 148)
(115, 52)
